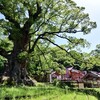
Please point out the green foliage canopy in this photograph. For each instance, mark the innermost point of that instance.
(29, 23)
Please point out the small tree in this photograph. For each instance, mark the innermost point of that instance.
(28, 22)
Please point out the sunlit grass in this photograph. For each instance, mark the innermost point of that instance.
(45, 93)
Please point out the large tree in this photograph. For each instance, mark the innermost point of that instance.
(27, 23)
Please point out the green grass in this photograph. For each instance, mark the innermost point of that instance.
(48, 93)
(74, 96)
(70, 96)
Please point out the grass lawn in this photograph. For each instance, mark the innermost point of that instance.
(45, 93)
(70, 96)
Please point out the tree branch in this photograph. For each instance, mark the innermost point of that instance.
(32, 17)
(17, 25)
(48, 33)
(43, 54)
(35, 42)
(3, 52)
(61, 48)
(54, 43)
(38, 27)
(63, 38)
(8, 17)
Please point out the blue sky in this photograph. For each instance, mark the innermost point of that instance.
(92, 7)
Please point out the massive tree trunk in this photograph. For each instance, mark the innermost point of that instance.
(16, 73)
(16, 67)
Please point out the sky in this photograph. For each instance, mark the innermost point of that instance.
(92, 7)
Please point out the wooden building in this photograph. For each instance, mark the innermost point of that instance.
(73, 75)
(78, 78)
(92, 79)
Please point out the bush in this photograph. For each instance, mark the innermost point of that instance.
(60, 84)
(55, 82)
